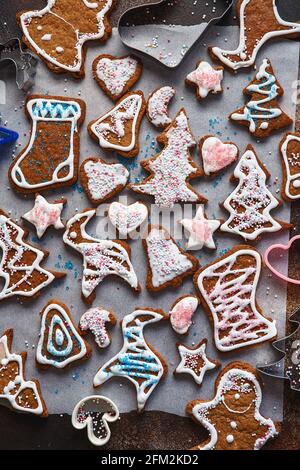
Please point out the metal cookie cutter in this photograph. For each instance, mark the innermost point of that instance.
(7, 136)
(156, 29)
(24, 62)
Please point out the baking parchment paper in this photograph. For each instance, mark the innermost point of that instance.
(62, 389)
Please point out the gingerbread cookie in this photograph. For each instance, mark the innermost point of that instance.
(127, 219)
(232, 417)
(44, 214)
(118, 130)
(59, 31)
(201, 230)
(171, 169)
(101, 258)
(251, 202)
(21, 394)
(116, 76)
(50, 160)
(95, 320)
(137, 361)
(102, 181)
(227, 289)
(182, 312)
(206, 79)
(216, 156)
(261, 114)
(20, 268)
(60, 344)
(195, 362)
(167, 263)
(259, 22)
(157, 106)
(290, 153)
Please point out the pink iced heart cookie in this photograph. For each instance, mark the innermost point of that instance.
(127, 219)
(216, 155)
(278, 249)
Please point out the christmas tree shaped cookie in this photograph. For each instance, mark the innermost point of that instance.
(172, 168)
(101, 258)
(60, 344)
(232, 417)
(20, 266)
(50, 160)
(22, 395)
(261, 114)
(227, 288)
(59, 31)
(118, 130)
(168, 264)
(251, 202)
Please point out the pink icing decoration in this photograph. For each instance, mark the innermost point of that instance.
(207, 80)
(217, 155)
(182, 313)
(201, 230)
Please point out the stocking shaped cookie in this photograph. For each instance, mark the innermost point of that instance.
(227, 288)
(168, 264)
(51, 157)
(20, 266)
(58, 32)
(118, 130)
(290, 153)
(22, 395)
(60, 344)
(232, 417)
(259, 22)
(101, 258)
(137, 361)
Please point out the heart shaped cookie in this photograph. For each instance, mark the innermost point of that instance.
(95, 412)
(102, 180)
(277, 249)
(216, 155)
(116, 76)
(127, 219)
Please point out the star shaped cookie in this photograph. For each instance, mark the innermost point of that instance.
(44, 214)
(201, 231)
(206, 79)
(195, 362)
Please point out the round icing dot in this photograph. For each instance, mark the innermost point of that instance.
(229, 438)
(73, 235)
(233, 424)
(264, 125)
(59, 49)
(237, 396)
(296, 184)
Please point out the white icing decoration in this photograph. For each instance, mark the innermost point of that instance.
(9, 395)
(44, 214)
(136, 361)
(59, 49)
(56, 356)
(20, 247)
(256, 110)
(201, 231)
(103, 179)
(182, 312)
(94, 320)
(101, 258)
(248, 57)
(255, 200)
(157, 107)
(290, 162)
(116, 73)
(232, 380)
(217, 156)
(165, 259)
(49, 110)
(230, 438)
(232, 302)
(95, 412)
(27, 17)
(233, 424)
(206, 78)
(127, 219)
(172, 167)
(47, 37)
(112, 124)
(189, 359)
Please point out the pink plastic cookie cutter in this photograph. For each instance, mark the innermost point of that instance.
(276, 248)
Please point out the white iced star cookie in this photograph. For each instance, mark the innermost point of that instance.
(44, 214)
(206, 79)
(195, 362)
(201, 231)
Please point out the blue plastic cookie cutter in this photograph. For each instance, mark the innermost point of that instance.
(7, 136)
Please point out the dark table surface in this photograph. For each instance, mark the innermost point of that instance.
(151, 430)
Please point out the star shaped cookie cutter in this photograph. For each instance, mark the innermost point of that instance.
(155, 29)
(24, 62)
